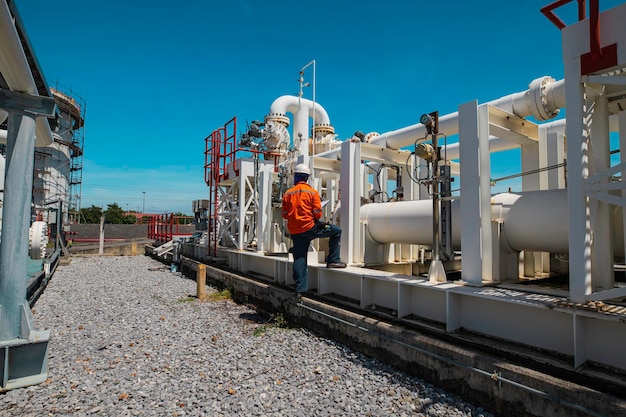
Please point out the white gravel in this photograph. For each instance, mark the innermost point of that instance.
(127, 339)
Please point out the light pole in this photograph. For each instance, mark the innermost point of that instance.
(143, 211)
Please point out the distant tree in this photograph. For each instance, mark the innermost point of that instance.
(183, 218)
(115, 215)
(91, 214)
(130, 219)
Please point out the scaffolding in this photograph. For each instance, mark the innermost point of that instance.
(71, 133)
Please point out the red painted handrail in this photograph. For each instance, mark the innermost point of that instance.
(594, 22)
(219, 152)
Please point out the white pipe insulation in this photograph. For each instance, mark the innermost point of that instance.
(543, 99)
(302, 109)
(16, 71)
(451, 152)
(533, 220)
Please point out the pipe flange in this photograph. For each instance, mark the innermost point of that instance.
(323, 128)
(38, 240)
(537, 99)
(278, 117)
(370, 136)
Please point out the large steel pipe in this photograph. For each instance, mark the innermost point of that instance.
(534, 221)
(542, 100)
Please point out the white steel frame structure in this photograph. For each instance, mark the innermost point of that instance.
(499, 237)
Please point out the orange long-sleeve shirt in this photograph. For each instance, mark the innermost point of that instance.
(302, 207)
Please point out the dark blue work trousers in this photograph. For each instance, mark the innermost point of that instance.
(301, 242)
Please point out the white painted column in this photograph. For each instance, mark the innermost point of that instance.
(241, 206)
(476, 239)
(530, 161)
(264, 213)
(555, 153)
(578, 170)
(602, 248)
(622, 155)
(350, 186)
(332, 193)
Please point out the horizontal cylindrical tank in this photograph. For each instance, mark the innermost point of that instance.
(406, 222)
(533, 220)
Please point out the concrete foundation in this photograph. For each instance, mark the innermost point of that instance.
(504, 378)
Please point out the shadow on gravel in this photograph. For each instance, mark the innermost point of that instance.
(254, 317)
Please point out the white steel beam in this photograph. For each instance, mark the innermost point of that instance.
(578, 170)
(601, 249)
(476, 239)
(622, 154)
(264, 214)
(350, 185)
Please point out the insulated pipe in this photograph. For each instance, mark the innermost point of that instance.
(16, 71)
(496, 144)
(406, 222)
(451, 152)
(543, 99)
(533, 221)
(302, 109)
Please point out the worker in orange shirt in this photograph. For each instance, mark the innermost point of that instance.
(303, 210)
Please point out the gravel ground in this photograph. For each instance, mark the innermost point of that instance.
(127, 339)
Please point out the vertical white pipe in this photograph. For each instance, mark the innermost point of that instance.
(300, 129)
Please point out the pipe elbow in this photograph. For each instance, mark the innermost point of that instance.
(292, 104)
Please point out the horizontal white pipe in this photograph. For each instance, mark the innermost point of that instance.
(523, 104)
(451, 152)
(534, 220)
(16, 71)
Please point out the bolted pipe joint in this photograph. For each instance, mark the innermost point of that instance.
(541, 100)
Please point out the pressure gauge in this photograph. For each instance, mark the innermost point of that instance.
(426, 120)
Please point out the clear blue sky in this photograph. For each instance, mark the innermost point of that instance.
(158, 76)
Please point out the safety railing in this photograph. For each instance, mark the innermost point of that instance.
(220, 151)
(164, 227)
(598, 58)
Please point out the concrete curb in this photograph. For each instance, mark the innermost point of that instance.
(502, 387)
